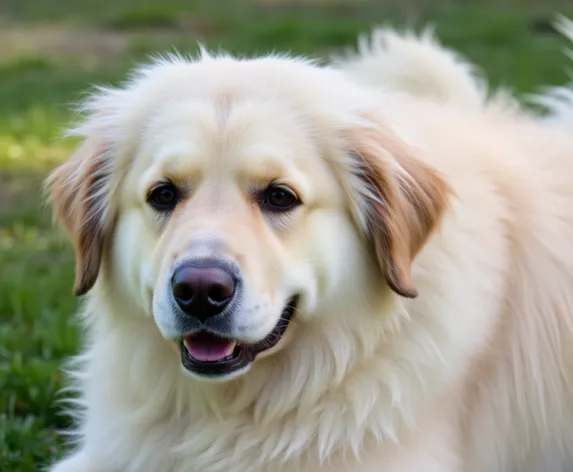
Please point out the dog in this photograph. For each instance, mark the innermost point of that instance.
(364, 266)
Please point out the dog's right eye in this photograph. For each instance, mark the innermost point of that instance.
(163, 197)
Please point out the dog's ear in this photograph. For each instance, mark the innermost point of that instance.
(401, 198)
(78, 193)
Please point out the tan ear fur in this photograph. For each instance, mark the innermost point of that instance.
(405, 199)
(77, 192)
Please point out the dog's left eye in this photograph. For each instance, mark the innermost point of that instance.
(279, 198)
(163, 197)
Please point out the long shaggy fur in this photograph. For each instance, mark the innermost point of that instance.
(435, 257)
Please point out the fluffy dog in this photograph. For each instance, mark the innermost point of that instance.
(288, 267)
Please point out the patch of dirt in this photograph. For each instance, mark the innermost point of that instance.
(59, 41)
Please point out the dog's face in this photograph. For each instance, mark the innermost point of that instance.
(228, 198)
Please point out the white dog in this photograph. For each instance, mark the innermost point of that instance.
(306, 269)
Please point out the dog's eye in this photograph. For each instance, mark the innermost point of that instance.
(279, 198)
(163, 197)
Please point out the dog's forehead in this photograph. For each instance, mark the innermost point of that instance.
(242, 133)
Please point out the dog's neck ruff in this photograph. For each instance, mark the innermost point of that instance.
(342, 390)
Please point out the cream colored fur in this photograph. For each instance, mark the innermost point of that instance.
(474, 374)
(417, 64)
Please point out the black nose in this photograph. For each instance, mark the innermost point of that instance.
(203, 289)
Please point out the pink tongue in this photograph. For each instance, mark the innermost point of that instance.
(207, 347)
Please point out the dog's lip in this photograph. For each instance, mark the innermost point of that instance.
(218, 356)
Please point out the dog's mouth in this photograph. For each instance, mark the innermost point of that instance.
(210, 355)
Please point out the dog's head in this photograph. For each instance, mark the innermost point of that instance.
(237, 201)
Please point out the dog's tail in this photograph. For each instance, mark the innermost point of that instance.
(558, 101)
(415, 64)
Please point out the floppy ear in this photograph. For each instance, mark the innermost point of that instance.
(78, 192)
(402, 198)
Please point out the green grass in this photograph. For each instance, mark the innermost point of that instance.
(98, 42)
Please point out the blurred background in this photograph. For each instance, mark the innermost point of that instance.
(53, 50)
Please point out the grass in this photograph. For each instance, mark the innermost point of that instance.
(58, 48)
